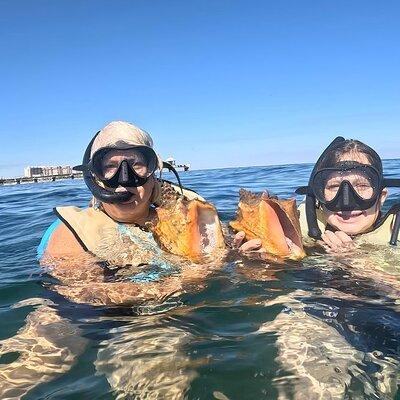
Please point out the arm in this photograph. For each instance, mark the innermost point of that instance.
(82, 279)
(63, 243)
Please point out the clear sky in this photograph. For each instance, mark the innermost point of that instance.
(217, 83)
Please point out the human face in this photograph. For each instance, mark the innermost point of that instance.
(136, 209)
(356, 221)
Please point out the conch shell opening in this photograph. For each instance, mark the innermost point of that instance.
(188, 227)
(274, 222)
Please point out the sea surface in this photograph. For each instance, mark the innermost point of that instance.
(320, 329)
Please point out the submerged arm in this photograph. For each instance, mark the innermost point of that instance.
(83, 280)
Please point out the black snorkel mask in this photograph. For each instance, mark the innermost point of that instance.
(127, 174)
(343, 195)
(332, 186)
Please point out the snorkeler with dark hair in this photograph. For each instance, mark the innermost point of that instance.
(342, 212)
(344, 199)
(345, 195)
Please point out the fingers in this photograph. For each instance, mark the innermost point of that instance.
(344, 237)
(335, 241)
(251, 245)
(238, 239)
(331, 240)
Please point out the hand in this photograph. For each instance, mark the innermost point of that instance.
(336, 241)
(251, 245)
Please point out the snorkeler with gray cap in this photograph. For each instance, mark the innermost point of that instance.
(104, 255)
(119, 168)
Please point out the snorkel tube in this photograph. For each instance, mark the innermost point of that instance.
(311, 209)
(172, 169)
(99, 192)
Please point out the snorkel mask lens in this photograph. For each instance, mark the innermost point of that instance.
(129, 168)
(347, 186)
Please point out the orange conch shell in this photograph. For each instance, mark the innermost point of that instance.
(274, 222)
(188, 228)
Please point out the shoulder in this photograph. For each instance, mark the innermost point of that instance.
(63, 242)
(380, 235)
(59, 241)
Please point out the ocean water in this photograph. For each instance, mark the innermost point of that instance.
(325, 328)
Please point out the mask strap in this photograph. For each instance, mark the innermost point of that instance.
(311, 212)
(395, 209)
(391, 182)
(395, 230)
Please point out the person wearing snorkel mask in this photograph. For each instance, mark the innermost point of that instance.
(320, 350)
(344, 199)
(85, 250)
(119, 168)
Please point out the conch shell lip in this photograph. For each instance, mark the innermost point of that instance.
(274, 221)
(187, 227)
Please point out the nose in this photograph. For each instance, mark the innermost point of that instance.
(124, 173)
(346, 195)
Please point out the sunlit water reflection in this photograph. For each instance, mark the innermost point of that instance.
(328, 328)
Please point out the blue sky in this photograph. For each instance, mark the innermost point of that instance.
(217, 83)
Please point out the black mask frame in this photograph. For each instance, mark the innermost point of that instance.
(125, 175)
(347, 198)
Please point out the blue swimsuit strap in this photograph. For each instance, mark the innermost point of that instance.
(46, 238)
(158, 268)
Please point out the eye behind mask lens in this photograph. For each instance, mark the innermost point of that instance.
(125, 176)
(347, 199)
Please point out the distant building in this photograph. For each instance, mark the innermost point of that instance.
(31, 172)
(36, 172)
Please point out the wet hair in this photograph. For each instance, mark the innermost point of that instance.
(351, 146)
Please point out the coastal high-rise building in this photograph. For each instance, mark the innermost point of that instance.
(36, 172)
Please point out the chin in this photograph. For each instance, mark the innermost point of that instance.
(349, 228)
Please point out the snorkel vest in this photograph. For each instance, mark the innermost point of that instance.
(112, 241)
(314, 223)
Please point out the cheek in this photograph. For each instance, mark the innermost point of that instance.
(331, 219)
(372, 212)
